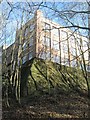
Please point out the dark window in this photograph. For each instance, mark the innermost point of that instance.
(26, 31)
(30, 56)
(31, 41)
(32, 26)
(24, 45)
(24, 59)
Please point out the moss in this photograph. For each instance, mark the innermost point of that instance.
(49, 75)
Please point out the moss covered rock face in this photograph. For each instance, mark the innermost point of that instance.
(49, 77)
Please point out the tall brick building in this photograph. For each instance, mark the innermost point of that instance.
(43, 38)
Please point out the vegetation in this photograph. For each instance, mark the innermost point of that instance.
(41, 88)
(46, 76)
(46, 87)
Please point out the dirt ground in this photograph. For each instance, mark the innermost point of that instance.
(48, 106)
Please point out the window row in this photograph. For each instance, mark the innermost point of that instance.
(48, 56)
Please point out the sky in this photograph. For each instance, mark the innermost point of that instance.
(47, 0)
(8, 33)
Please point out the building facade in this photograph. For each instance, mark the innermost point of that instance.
(45, 39)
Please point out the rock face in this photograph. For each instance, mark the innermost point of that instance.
(46, 76)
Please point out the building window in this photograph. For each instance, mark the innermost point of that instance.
(31, 42)
(66, 61)
(30, 56)
(43, 40)
(47, 41)
(82, 67)
(73, 52)
(47, 27)
(55, 45)
(55, 31)
(72, 40)
(88, 68)
(26, 31)
(78, 42)
(64, 35)
(24, 46)
(24, 59)
(32, 26)
(57, 59)
(42, 55)
(73, 63)
(63, 61)
(47, 55)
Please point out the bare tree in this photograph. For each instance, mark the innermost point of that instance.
(28, 9)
